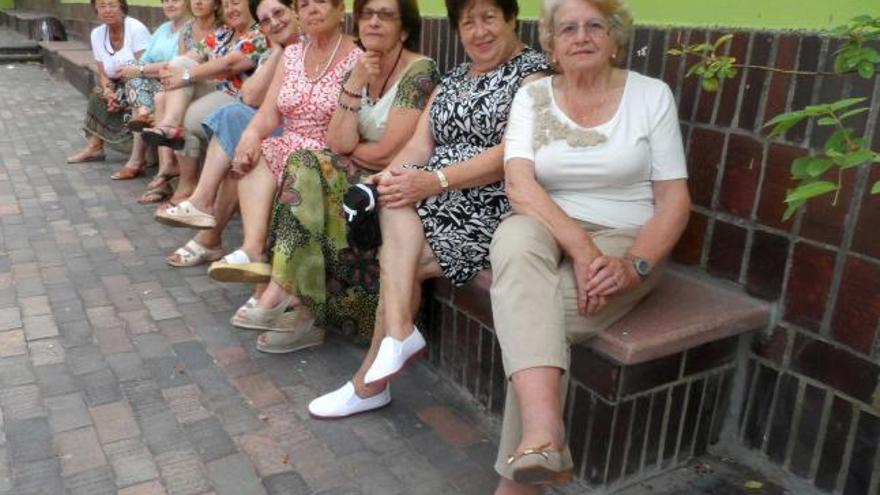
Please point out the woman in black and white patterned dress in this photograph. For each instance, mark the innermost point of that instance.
(442, 196)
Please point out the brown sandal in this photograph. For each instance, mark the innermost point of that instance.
(161, 179)
(128, 173)
(155, 195)
(541, 466)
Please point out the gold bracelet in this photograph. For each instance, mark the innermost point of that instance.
(444, 182)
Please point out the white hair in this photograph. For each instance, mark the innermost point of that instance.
(615, 12)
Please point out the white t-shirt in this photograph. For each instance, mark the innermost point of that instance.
(600, 175)
(136, 38)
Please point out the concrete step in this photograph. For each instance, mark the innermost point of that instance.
(20, 58)
(29, 47)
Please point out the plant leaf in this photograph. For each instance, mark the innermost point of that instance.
(846, 102)
(875, 189)
(811, 190)
(722, 40)
(837, 141)
(791, 209)
(840, 63)
(818, 166)
(816, 110)
(674, 51)
(869, 54)
(854, 111)
(855, 158)
(710, 84)
(866, 69)
(784, 121)
(826, 121)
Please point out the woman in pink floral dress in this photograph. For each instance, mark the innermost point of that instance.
(303, 96)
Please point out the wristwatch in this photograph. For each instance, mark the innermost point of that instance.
(185, 78)
(641, 265)
(444, 182)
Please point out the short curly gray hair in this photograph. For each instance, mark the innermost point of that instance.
(615, 11)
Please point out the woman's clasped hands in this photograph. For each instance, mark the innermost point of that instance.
(599, 276)
(247, 154)
(399, 187)
(171, 77)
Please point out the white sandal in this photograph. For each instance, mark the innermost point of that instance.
(238, 267)
(193, 254)
(277, 319)
(185, 215)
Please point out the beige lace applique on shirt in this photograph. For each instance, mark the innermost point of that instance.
(549, 128)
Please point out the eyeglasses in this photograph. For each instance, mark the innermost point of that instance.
(108, 6)
(277, 15)
(594, 28)
(384, 15)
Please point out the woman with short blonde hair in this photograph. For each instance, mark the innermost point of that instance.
(596, 175)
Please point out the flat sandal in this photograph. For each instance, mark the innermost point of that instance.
(541, 466)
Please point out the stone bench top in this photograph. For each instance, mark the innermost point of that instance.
(27, 14)
(75, 52)
(685, 310)
(57, 46)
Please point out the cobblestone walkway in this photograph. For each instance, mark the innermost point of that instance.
(119, 374)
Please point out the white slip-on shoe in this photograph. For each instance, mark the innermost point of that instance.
(344, 402)
(394, 355)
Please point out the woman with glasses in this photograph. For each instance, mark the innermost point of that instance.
(215, 192)
(596, 175)
(120, 40)
(441, 197)
(316, 277)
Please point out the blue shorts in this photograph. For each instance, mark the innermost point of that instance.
(228, 122)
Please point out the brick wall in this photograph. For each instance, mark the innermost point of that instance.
(812, 395)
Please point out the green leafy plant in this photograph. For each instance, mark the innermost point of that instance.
(843, 150)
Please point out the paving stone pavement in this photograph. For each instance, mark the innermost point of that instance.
(120, 374)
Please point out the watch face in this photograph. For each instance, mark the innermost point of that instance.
(642, 267)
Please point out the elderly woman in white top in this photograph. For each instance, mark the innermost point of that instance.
(595, 171)
(117, 42)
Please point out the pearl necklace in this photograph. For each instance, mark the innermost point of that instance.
(323, 71)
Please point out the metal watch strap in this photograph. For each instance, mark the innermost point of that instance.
(444, 182)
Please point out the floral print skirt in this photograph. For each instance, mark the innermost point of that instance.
(106, 125)
(310, 254)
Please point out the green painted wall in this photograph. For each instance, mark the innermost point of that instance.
(760, 14)
(767, 14)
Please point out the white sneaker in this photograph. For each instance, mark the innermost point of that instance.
(393, 355)
(344, 402)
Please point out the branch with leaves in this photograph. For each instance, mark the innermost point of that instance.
(843, 149)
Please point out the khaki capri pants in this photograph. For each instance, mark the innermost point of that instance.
(205, 98)
(534, 305)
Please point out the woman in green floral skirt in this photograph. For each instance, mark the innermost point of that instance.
(316, 278)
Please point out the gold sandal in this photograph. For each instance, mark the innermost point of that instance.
(540, 466)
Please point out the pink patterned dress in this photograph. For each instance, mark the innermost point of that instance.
(306, 107)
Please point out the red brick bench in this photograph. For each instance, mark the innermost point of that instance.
(646, 395)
